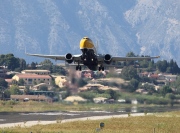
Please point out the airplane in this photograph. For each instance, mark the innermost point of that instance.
(90, 57)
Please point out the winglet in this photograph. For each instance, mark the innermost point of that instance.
(25, 51)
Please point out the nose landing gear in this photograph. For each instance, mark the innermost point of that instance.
(78, 67)
(101, 68)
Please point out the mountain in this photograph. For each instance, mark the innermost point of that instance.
(148, 27)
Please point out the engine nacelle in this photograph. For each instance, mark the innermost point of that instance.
(69, 58)
(107, 58)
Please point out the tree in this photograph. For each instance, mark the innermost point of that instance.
(26, 90)
(33, 65)
(130, 54)
(46, 62)
(14, 82)
(11, 62)
(15, 90)
(176, 85)
(164, 90)
(3, 83)
(162, 65)
(21, 82)
(113, 94)
(22, 64)
(7, 93)
(149, 88)
(129, 73)
(144, 63)
(57, 69)
(47, 65)
(134, 83)
(82, 82)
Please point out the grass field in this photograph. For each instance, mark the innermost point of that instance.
(31, 106)
(156, 123)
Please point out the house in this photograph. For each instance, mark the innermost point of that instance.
(134, 101)
(153, 76)
(161, 77)
(39, 72)
(31, 97)
(118, 71)
(75, 99)
(37, 87)
(171, 78)
(91, 87)
(97, 86)
(31, 79)
(142, 91)
(61, 81)
(9, 81)
(144, 74)
(99, 99)
(87, 74)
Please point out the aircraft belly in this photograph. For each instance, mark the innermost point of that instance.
(89, 59)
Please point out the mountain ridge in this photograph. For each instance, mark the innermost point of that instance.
(147, 27)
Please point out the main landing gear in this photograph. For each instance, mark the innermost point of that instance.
(101, 68)
(78, 67)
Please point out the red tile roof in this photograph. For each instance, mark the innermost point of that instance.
(8, 80)
(33, 76)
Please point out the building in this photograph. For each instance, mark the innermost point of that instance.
(61, 81)
(31, 97)
(32, 79)
(38, 86)
(9, 81)
(171, 78)
(39, 72)
(153, 76)
(99, 99)
(75, 99)
(87, 74)
(97, 86)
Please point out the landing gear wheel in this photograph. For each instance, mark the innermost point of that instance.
(101, 68)
(78, 68)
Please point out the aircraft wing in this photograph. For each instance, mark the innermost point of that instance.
(101, 58)
(133, 58)
(55, 57)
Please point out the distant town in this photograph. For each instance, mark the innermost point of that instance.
(144, 82)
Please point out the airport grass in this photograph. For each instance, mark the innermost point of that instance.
(32, 106)
(155, 123)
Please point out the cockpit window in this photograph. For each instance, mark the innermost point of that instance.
(85, 38)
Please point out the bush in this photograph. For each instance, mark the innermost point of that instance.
(88, 95)
(11, 102)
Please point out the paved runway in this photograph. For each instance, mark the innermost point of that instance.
(48, 116)
(6, 118)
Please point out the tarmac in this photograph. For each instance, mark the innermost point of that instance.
(33, 118)
(32, 123)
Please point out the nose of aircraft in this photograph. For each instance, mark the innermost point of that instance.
(86, 43)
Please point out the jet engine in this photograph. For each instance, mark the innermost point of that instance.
(69, 58)
(107, 59)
